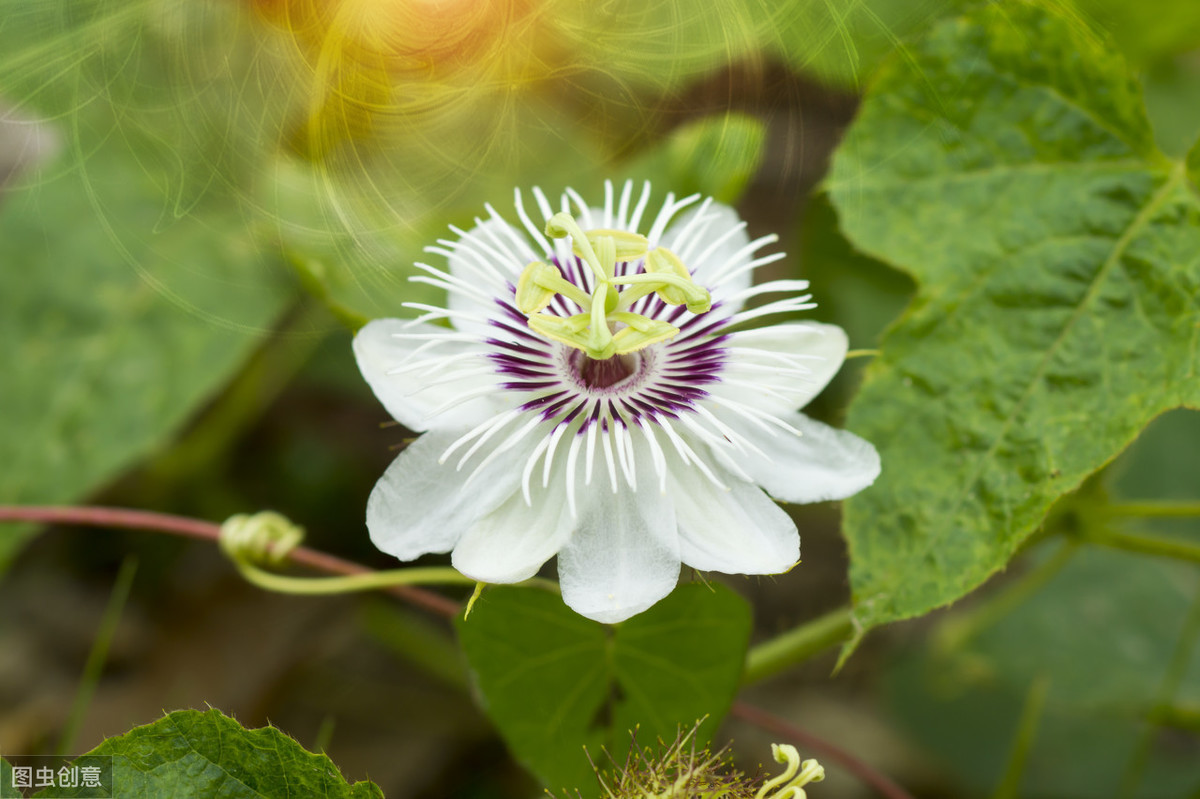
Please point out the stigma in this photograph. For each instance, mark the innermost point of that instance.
(606, 327)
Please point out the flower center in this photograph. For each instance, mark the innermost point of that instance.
(607, 328)
(605, 373)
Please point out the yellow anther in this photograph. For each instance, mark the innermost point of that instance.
(629, 246)
(607, 327)
(662, 260)
(640, 332)
(574, 331)
(679, 288)
(538, 284)
(532, 293)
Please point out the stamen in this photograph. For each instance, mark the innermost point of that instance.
(608, 327)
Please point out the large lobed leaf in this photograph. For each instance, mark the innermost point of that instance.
(1008, 166)
(556, 683)
(132, 281)
(201, 754)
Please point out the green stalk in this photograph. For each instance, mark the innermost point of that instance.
(318, 586)
(367, 581)
(94, 666)
(798, 645)
(1151, 510)
(1031, 714)
(1146, 545)
(1172, 679)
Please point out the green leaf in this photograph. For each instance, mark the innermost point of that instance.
(1193, 166)
(135, 282)
(1008, 166)
(843, 43)
(1173, 103)
(856, 293)
(716, 157)
(1148, 31)
(1103, 632)
(116, 327)
(194, 753)
(1140, 605)
(555, 683)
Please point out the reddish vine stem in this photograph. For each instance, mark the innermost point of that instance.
(128, 519)
(196, 528)
(772, 723)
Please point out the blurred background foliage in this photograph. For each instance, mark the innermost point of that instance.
(198, 201)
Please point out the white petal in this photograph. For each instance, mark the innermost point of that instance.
(740, 531)
(419, 506)
(822, 463)
(490, 256)
(624, 554)
(702, 254)
(411, 395)
(765, 363)
(512, 542)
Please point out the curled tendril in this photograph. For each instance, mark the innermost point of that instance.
(263, 539)
(790, 784)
